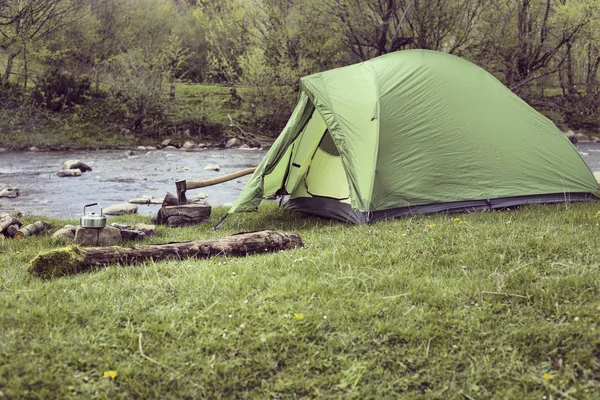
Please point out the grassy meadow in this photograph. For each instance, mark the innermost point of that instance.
(486, 305)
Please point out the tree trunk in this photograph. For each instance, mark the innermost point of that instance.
(8, 70)
(72, 260)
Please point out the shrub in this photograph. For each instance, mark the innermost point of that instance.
(57, 90)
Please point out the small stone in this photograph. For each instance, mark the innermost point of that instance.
(166, 142)
(131, 234)
(595, 139)
(201, 195)
(125, 132)
(76, 164)
(120, 226)
(187, 132)
(33, 148)
(68, 173)
(121, 209)
(170, 148)
(212, 167)
(233, 142)
(571, 136)
(150, 148)
(149, 230)
(580, 137)
(202, 145)
(189, 146)
(3, 150)
(67, 232)
(141, 148)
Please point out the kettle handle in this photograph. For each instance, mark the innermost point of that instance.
(90, 205)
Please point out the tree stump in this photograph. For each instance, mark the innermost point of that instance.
(189, 214)
(72, 260)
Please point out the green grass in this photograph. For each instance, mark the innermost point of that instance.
(493, 305)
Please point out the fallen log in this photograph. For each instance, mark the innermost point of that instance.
(7, 220)
(72, 260)
(32, 229)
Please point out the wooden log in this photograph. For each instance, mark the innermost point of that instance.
(221, 179)
(189, 214)
(72, 260)
(7, 220)
(32, 229)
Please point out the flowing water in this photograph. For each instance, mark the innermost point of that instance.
(118, 177)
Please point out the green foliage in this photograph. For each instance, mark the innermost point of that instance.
(57, 90)
(269, 98)
(500, 304)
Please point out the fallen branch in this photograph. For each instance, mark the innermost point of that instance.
(72, 260)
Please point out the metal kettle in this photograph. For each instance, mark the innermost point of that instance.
(92, 220)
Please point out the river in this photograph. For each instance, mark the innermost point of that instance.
(117, 177)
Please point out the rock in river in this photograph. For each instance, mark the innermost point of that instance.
(189, 146)
(212, 167)
(76, 164)
(68, 172)
(121, 209)
(9, 192)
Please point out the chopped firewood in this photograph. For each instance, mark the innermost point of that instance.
(32, 229)
(7, 220)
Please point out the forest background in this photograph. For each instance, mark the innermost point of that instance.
(87, 73)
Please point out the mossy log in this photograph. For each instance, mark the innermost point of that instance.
(73, 259)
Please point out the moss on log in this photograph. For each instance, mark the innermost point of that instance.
(72, 260)
(58, 262)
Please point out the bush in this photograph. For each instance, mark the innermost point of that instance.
(57, 90)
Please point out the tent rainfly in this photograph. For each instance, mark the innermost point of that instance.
(415, 131)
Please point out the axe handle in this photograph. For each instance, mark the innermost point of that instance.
(221, 179)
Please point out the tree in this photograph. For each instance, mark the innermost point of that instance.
(24, 22)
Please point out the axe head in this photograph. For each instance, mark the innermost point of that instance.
(181, 189)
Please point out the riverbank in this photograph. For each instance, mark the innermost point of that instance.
(487, 304)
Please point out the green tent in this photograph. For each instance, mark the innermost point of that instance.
(415, 131)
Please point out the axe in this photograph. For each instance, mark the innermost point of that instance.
(182, 185)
